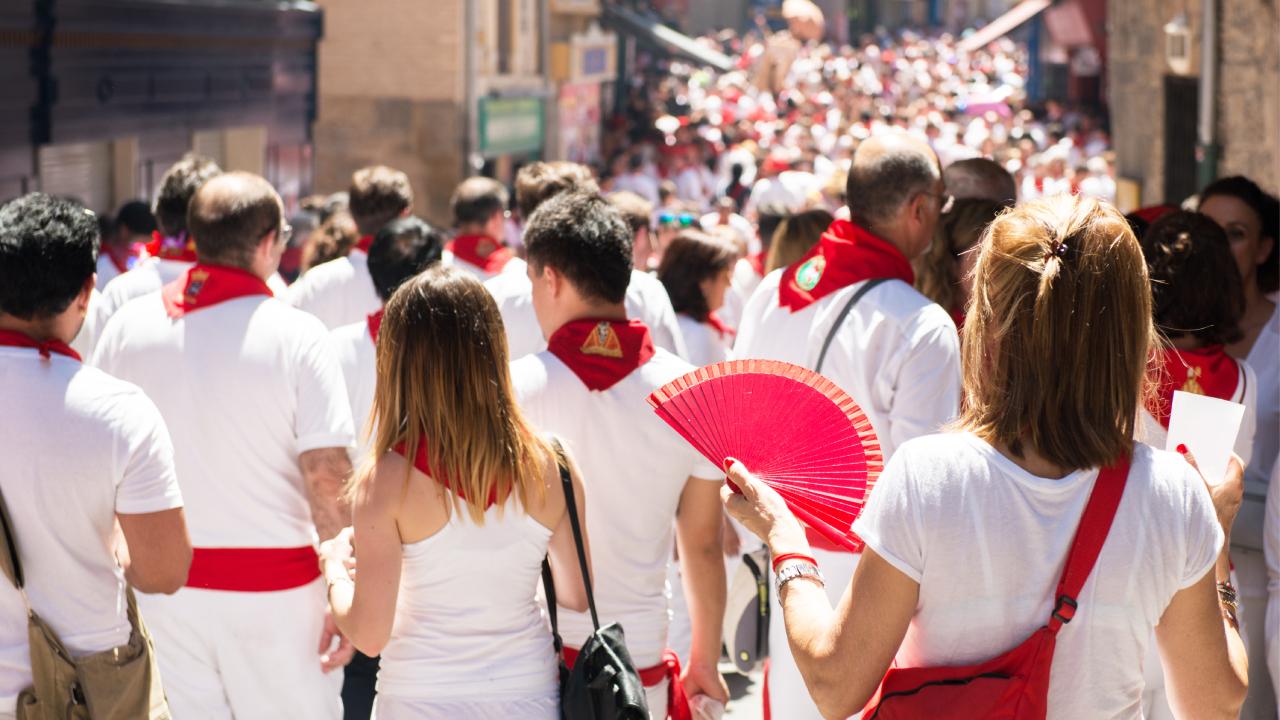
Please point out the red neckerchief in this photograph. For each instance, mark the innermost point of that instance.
(957, 317)
(718, 325)
(13, 338)
(1205, 371)
(423, 463)
(203, 285)
(602, 352)
(178, 247)
(363, 244)
(481, 251)
(847, 253)
(757, 262)
(120, 261)
(375, 324)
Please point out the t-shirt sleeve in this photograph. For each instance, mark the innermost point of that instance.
(1204, 533)
(890, 523)
(323, 419)
(926, 394)
(149, 482)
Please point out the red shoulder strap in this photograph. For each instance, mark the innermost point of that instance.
(1095, 524)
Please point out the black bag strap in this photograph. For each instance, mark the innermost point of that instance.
(11, 564)
(844, 313)
(548, 583)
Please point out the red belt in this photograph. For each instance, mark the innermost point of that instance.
(253, 569)
(668, 669)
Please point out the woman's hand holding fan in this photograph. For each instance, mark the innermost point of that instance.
(762, 511)
(793, 429)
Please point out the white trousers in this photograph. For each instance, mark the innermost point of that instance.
(385, 708)
(788, 697)
(247, 656)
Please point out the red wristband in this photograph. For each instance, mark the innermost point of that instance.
(777, 561)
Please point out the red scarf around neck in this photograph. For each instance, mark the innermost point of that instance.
(481, 251)
(846, 254)
(375, 324)
(1205, 371)
(602, 352)
(202, 285)
(179, 247)
(718, 325)
(363, 244)
(423, 463)
(13, 338)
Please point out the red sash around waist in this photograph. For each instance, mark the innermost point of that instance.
(668, 669)
(253, 569)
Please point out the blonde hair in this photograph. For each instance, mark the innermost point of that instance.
(443, 380)
(1058, 338)
(795, 236)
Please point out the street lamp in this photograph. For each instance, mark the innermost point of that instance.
(1177, 44)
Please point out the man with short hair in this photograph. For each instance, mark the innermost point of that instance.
(638, 214)
(646, 297)
(82, 451)
(256, 403)
(589, 388)
(340, 292)
(133, 227)
(480, 216)
(895, 352)
(980, 178)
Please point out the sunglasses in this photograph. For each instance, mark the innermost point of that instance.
(681, 219)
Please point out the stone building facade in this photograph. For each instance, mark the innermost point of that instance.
(1153, 108)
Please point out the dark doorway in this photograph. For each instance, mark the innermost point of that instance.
(1181, 105)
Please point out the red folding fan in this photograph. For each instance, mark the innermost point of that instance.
(791, 427)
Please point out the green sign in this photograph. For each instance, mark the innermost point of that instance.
(510, 125)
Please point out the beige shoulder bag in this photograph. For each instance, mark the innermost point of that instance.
(117, 684)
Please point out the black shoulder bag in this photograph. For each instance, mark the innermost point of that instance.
(603, 684)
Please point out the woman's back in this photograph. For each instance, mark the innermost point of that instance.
(987, 541)
(467, 624)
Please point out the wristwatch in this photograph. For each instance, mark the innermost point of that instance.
(794, 570)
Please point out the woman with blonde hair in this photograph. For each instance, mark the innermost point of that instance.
(453, 515)
(795, 236)
(967, 532)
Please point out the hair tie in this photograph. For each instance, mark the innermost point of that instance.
(1057, 249)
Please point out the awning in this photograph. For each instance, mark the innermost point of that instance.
(653, 33)
(1005, 24)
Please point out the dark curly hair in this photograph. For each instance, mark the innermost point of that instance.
(1195, 287)
(584, 238)
(1267, 207)
(48, 251)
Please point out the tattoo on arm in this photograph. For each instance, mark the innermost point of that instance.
(324, 475)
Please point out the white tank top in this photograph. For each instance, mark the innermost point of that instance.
(467, 624)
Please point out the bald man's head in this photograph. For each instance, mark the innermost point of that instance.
(980, 179)
(230, 214)
(889, 169)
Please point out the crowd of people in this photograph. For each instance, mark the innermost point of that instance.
(365, 490)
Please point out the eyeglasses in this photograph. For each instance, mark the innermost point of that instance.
(284, 233)
(681, 219)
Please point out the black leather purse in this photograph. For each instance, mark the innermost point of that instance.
(603, 684)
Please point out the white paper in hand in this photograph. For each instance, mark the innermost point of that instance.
(1208, 427)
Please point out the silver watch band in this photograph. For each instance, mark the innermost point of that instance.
(792, 570)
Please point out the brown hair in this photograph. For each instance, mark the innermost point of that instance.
(691, 257)
(230, 214)
(958, 231)
(636, 211)
(795, 236)
(538, 182)
(1195, 286)
(1058, 340)
(378, 195)
(443, 379)
(332, 240)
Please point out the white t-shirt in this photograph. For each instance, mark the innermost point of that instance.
(647, 300)
(79, 447)
(484, 275)
(704, 344)
(339, 292)
(356, 354)
(245, 386)
(107, 270)
(147, 276)
(1264, 358)
(897, 355)
(634, 468)
(987, 542)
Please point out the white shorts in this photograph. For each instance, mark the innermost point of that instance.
(243, 655)
(388, 708)
(788, 697)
